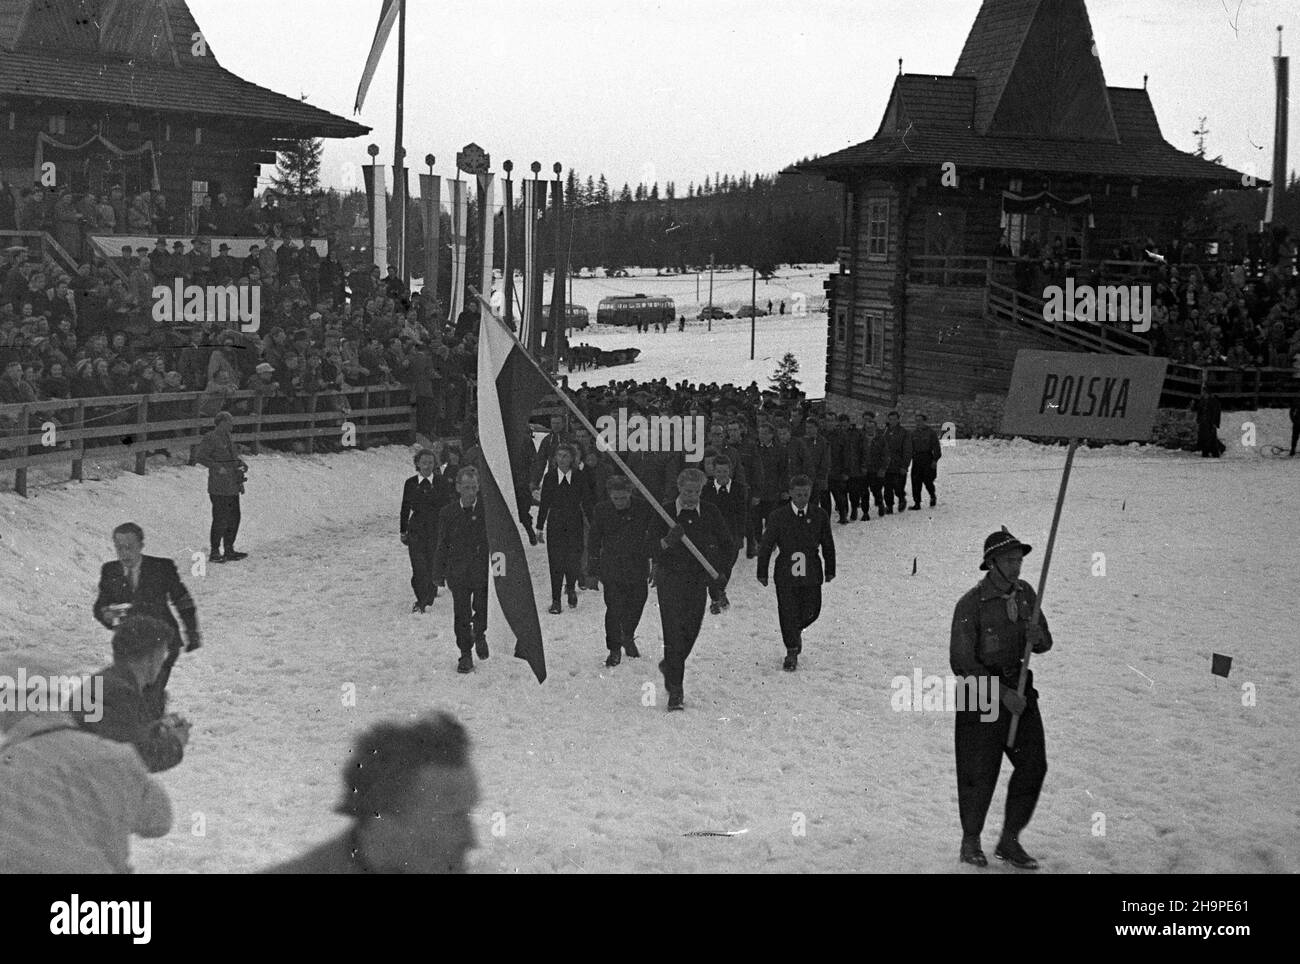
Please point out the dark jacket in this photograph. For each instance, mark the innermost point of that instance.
(706, 529)
(846, 453)
(125, 716)
(984, 641)
(811, 457)
(925, 446)
(543, 459)
(421, 505)
(898, 448)
(810, 535)
(461, 556)
(219, 453)
(734, 506)
(563, 506)
(771, 463)
(873, 455)
(159, 588)
(618, 547)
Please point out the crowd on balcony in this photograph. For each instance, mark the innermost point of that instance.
(70, 216)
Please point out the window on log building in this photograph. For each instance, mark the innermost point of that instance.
(878, 230)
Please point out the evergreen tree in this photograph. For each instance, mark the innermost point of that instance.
(573, 189)
(297, 170)
(602, 190)
(639, 193)
(654, 192)
(783, 379)
(589, 193)
(706, 189)
(625, 195)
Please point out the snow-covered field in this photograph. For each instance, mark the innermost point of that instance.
(579, 774)
(721, 354)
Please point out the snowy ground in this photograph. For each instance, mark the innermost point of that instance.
(721, 354)
(579, 775)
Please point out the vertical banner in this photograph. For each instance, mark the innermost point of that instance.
(377, 198)
(431, 214)
(539, 271)
(508, 265)
(528, 327)
(397, 228)
(556, 341)
(487, 218)
(1282, 66)
(459, 238)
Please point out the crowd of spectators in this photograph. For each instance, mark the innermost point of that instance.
(321, 330)
(1211, 314)
(70, 216)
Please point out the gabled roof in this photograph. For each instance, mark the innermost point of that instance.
(138, 53)
(1028, 94)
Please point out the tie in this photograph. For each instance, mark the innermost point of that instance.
(425, 485)
(132, 577)
(798, 513)
(564, 481)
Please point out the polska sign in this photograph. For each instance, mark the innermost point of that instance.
(1069, 395)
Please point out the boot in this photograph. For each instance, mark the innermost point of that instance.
(791, 662)
(971, 852)
(481, 646)
(629, 647)
(1014, 854)
(465, 664)
(555, 609)
(613, 659)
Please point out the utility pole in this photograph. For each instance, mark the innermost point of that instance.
(753, 308)
(710, 311)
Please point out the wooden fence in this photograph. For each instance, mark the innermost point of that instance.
(62, 431)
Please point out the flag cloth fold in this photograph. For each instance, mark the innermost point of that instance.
(459, 201)
(387, 17)
(509, 387)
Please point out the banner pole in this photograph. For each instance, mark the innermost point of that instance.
(613, 454)
(1042, 585)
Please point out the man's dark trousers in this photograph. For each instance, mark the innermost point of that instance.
(724, 574)
(469, 614)
(420, 546)
(896, 489)
(797, 608)
(923, 474)
(624, 603)
(682, 598)
(876, 490)
(225, 522)
(979, 758)
(859, 496)
(564, 556)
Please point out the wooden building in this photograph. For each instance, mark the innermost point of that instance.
(1024, 144)
(129, 92)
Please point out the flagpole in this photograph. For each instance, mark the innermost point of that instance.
(613, 453)
(399, 160)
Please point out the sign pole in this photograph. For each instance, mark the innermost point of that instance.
(1042, 585)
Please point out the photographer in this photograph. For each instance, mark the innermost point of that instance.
(124, 714)
(219, 454)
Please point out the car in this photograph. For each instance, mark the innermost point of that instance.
(748, 310)
(713, 313)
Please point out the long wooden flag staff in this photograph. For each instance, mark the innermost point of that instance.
(613, 454)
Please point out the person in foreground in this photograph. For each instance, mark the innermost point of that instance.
(408, 789)
(990, 629)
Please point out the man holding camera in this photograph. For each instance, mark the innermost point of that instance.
(219, 453)
(126, 714)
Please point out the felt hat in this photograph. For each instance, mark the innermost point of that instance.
(1001, 542)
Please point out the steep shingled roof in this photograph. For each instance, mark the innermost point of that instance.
(137, 53)
(1028, 94)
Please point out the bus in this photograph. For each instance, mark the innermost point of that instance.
(635, 309)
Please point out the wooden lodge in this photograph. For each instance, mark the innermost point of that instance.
(128, 92)
(1023, 145)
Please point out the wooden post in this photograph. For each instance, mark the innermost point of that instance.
(79, 425)
(20, 474)
(256, 443)
(311, 422)
(1042, 585)
(364, 427)
(142, 436)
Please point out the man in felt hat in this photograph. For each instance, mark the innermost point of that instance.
(990, 629)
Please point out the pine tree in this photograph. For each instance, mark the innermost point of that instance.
(639, 193)
(602, 190)
(706, 189)
(297, 170)
(625, 195)
(783, 379)
(573, 189)
(589, 192)
(654, 192)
